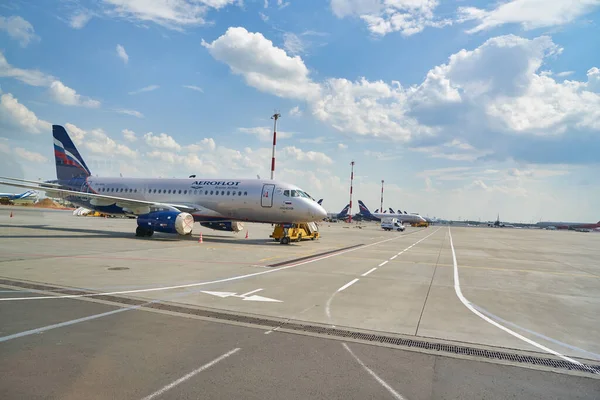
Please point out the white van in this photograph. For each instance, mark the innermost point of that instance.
(391, 224)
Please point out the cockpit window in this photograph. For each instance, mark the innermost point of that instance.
(295, 193)
(286, 193)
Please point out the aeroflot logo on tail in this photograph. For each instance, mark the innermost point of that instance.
(199, 184)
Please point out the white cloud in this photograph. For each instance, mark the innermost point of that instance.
(67, 96)
(295, 112)
(206, 144)
(293, 44)
(300, 155)
(149, 88)
(80, 19)
(385, 16)
(171, 14)
(133, 113)
(129, 135)
(75, 133)
(193, 87)
(263, 16)
(31, 77)
(122, 54)
(342, 146)
(483, 98)
(367, 108)
(30, 155)
(162, 141)
(17, 115)
(565, 74)
(19, 29)
(530, 14)
(265, 134)
(58, 91)
(263, 66)
(98, 142)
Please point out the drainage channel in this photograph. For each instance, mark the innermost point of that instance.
(325, 330)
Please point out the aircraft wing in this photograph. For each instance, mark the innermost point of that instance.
(136, 207)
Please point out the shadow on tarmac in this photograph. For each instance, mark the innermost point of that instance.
(79, 233)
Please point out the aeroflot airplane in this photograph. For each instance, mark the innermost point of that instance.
(172, 205)
(410, 218)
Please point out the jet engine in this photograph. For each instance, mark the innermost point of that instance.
(167, 222)
(228, 226)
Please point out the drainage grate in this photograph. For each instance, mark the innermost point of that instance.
(324, 330)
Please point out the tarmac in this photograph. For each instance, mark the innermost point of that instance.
(99, 313)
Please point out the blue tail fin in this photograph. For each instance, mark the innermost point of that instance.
(344, 211)
(69, 163)
(391, 210)
(363, 209)
(399, 212)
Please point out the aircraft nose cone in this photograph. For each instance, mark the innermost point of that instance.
(319, 212)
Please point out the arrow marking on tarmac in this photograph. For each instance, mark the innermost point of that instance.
(244, 296)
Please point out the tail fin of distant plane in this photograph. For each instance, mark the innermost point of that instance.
(344, 211)
(405, 212)
(399, 211)
(69, 163)
(391, 210)
(320, 202)
(376, 211)
(363, 209)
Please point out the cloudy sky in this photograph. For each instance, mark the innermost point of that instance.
(465, 108)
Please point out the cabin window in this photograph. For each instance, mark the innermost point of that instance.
(179, 191)
(206, 192)
(233, 193)
(228, 193)
(135, 191)
(239, 193)
(185, 191)
(245, 193)
(286, 193)
(216, 192)
(222, 193)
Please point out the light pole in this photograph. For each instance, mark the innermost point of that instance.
(381, 208)
(274, 117)
(351, 180)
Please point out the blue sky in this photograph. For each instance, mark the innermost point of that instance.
(464, 108)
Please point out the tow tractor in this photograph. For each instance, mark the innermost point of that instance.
(286, 233)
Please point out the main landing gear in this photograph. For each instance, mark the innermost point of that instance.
(143, 232)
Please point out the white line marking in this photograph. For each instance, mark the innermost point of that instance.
(233, 278)
(392, 257)
(382, 264)
(369, 271)
(347, 285)
(67, 323)
(191, 374)
(246, 294)
(471, 307)
(383, 383)
(558, 342)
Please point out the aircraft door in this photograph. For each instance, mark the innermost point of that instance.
(267, 195)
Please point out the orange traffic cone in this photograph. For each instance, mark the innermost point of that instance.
(246, 234)
(200, 238)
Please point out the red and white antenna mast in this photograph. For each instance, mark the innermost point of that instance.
(381, 209)
(351, 180)
(274, 117)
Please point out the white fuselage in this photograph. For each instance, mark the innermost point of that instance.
(215, 199)
(410, 218)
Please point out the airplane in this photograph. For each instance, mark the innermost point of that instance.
(342, 215)
(25, 197)
(569, 225)
(173, 205)
(410, 218)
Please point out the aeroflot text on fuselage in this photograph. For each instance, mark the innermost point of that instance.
(201, 184)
